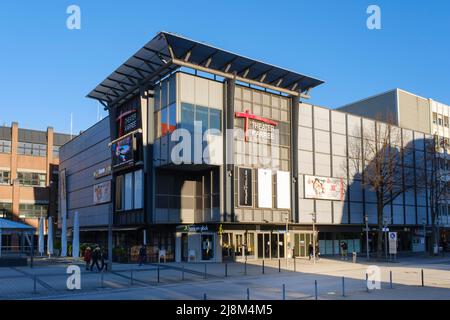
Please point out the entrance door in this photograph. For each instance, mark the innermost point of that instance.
(239, 242)
(263, 246)
(184, 247)
(207, 246)
(301, 244)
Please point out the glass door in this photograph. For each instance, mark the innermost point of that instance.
(239, 242)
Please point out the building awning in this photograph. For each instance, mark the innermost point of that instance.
(9, 225)
(167, 52)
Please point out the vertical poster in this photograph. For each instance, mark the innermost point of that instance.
(283, 190)
(245, 187)
(264, 188)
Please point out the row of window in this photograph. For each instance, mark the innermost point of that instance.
(32, 179)
(129, 191)
(26, 210)
(440, 120)
(26, 179)
(29, 149)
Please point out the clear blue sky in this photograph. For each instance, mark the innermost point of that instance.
(46, 70)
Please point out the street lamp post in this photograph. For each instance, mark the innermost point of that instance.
(366, 220)
(386, 221)
(314, 220)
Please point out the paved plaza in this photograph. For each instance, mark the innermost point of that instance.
(335, 279)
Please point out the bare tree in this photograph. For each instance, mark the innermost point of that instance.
(376, 158)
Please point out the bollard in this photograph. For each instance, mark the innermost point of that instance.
(390, 279)
(245, 267)
(204, 276)
(423, 281)
(34, 284)
(204, 296)
(101, 280)
(315, 288)
(367, 282)
(248, 294)
(182, 272)
(226, 270)
(295, 267)
(279, 265)
(158, 273)
(343, 286)
(263, 266)
(131, 277)
(284, 291)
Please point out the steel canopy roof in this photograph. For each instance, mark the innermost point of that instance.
(167, 52)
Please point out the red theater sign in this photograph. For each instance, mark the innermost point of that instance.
(263, 127)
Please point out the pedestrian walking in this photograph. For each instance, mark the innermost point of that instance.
(317, 251)
(87, 257)
(344, 249)
(96, 256)
(105, 260)
(142, 255)
(310, 251)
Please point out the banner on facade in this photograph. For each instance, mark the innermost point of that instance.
(264, 188)
(324, 188)
(123, 151)
(392, 242)
(245, 187)
(102, 192)
(283, 190)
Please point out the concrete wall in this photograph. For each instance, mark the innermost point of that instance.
(414, 112)
(81, 157)
(381, 107)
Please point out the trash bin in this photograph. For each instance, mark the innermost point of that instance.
(354, 257)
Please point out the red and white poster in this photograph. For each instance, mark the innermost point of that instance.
(324, 188)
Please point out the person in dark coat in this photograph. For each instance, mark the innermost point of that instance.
(142, 255)
(96, 256)
(87, 257)
(310, 251)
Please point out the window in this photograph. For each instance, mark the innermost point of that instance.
(446, 121)
(164, 120)
(138, 190)
(32, 179)
(32, 210)
(5, 146)
(434, 117)
(440, 121)
(119, 193)
(129, 191)
(32, 149)
(5, 210)
(210, 118)
(5, 177)
(56, 152)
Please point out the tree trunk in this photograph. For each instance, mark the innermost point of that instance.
(380, 228)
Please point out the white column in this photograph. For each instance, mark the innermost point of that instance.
(0, 242)
(75, 236)
(50, 236)
(41, 236)
(64, 236)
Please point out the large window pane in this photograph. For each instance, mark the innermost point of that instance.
(129, 191)
(215, 119)
(187, 116)
(138, 194)
(5, 146)
(164, 121)
(201, 114)
(172, 117)
(119, 193)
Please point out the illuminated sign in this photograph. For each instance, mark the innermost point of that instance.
(123, 151)
(127, 122)
(260, 127)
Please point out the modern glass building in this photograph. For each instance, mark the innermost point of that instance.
(216, 156)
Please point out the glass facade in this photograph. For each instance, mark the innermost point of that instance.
(129, 191)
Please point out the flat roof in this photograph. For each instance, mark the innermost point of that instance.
(167, 52)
